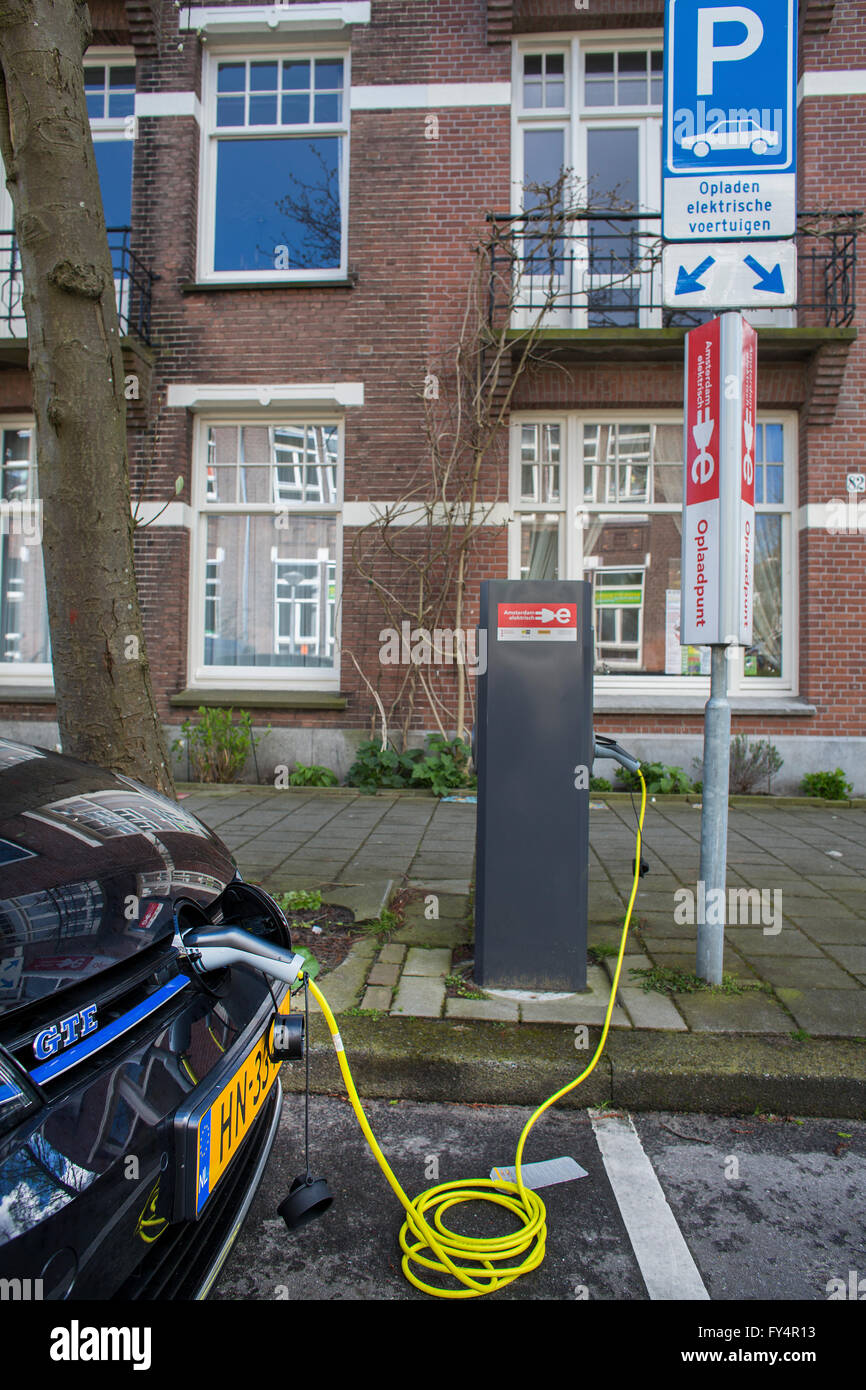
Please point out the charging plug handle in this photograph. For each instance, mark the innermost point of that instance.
(608, 748)
(218, 947)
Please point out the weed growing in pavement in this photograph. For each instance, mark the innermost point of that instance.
(669, 979)
(602, 952)
(463, 989)
(299, 900)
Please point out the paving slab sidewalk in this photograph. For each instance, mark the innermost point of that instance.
(795, 953)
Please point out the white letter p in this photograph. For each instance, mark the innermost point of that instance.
(709, 53)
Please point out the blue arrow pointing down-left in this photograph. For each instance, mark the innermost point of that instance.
(688, 281)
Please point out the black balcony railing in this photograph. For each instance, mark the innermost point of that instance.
(602, 269)
(133, 284)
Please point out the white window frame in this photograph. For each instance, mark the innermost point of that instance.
(263, 678)
(18, 673)
(571, 559)
(211, 134)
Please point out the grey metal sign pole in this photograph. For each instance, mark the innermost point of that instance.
(714, 821)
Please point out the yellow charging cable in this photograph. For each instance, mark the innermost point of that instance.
(479, 1264)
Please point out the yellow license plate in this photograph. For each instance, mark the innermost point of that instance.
(222, 1127)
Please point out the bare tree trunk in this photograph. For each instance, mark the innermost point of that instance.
(105, 703)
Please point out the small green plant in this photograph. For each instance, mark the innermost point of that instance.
(383, 925)
(313, 775)
(659, 778)
(464, 990)
(670, 979)
(830, 786)
(601, 952)
(375, 766)
(444, 766)
(299, 900)
(312, 966)
(800, 1035)
(217, 747)
(600, 784)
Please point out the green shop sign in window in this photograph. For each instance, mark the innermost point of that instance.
(618, 598)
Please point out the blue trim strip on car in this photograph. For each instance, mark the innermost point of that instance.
(57, 1065)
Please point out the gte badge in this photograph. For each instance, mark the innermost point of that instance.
(65, 1032)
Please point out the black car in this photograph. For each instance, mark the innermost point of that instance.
(138, 1100)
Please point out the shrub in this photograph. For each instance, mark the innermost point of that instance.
(217, 747)
(831, 786)
(375, 766)
(444, 766)
(600, 784)
(313, 775)
(752, 762)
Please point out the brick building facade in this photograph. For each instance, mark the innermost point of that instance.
(309, 184)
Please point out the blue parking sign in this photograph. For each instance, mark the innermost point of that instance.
(730, 117)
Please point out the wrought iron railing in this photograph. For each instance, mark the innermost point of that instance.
(133, 284)
(602, 269)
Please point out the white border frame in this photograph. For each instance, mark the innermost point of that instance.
(571, 543)
(208, 678)
(210, 134)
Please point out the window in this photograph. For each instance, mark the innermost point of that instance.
(600, 498)
(109, 89)
(268, 532)
(275, 167)
(24, 641)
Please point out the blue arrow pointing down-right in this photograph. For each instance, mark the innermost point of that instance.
(769, 280)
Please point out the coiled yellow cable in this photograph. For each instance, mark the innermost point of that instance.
(479, 1264)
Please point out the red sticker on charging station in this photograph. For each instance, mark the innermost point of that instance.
(537, 622)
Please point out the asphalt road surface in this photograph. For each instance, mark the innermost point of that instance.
(673, 1206)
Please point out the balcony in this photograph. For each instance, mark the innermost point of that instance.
(133, 284)
(593, 274)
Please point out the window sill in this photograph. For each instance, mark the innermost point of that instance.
(776, 706)
(207, 286)
(27, 695)
(242, 698)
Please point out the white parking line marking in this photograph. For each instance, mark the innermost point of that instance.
(665, 1261)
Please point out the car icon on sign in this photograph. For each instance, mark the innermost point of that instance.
(741, 134)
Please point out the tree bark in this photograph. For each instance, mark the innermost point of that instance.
(105, 705)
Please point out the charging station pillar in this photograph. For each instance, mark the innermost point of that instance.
(533, 753)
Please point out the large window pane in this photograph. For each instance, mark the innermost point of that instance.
(270, 591)
(278, 204)
(764, 657)
(539, 546)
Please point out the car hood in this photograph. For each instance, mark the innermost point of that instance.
(91, 867)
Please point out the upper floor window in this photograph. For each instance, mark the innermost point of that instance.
(109, 87)
(625, 77)
(275, 166)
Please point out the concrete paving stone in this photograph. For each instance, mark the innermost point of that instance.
(806, 972)
(754, 1012)
(732, 964)
(377, 997)
(647, 1009)
(441, 885)
(817, 909)
(365, 900)
(574, 1008)
(497, 1010)
(828, 1012)
(631, 961)
(446, 932)
(851, 958)
(342, 986)
(833, 931)
(434, 963)
(384, 975)
(419, 996)
(790, 941)
(392, 954)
